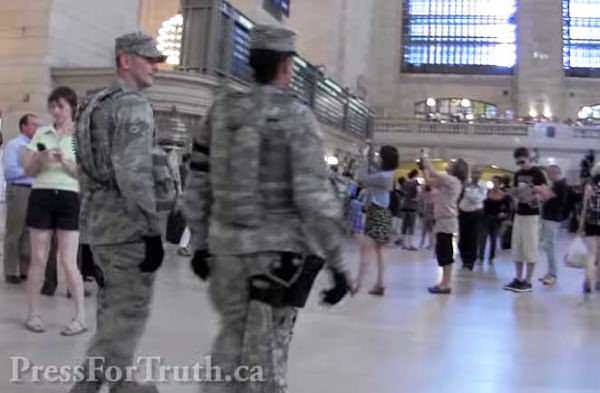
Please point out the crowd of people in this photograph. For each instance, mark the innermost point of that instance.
(93, 189)
(523, 213)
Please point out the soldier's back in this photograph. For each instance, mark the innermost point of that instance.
(251, 172)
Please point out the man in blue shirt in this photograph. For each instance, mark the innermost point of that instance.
(18, 186)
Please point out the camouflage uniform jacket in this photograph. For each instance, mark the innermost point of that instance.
(258, 180)
(124, 211)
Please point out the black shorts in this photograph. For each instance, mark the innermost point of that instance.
(53, 209)
(444, 248)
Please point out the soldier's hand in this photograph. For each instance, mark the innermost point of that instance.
(154, 254)
(200, 264)
(339, 290)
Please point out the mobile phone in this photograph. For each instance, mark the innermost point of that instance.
(41, 147)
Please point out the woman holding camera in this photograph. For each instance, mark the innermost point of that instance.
(54, 207)
(446, 192)
(378, 223)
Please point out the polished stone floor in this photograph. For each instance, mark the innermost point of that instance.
(481, 339)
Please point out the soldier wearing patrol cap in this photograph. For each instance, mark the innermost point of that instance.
(263, 216)
(124, 186)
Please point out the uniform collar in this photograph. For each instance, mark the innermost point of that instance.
(120, 83)
(272, 89)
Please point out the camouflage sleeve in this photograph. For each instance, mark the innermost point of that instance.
(197, 197)
(321, 211)
(132, 160)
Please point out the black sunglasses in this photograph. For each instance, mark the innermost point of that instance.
(521, 162)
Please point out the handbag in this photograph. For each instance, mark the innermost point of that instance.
(576, 254)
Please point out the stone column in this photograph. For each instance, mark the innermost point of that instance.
(539, 75)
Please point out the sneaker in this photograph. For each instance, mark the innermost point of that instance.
(377, 291)
(184, 252)
(587, 288)
(549, 279)
(47, 290)
(525, 287)
(13, 279)
(514, 285)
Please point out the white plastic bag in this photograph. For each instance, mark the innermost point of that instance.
(576, 254)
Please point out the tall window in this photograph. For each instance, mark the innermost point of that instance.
(581, 35)
(459, 36)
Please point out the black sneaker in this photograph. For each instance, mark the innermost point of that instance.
(515, 286)
(587, 288)
(13, 279)
(525, 287)
(47, 290)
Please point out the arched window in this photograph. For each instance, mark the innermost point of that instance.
(459, 36)
(581, 36)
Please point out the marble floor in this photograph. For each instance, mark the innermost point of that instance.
(480, 339)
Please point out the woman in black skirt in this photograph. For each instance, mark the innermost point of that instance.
(378, 225)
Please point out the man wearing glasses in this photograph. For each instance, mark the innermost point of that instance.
(529, 184)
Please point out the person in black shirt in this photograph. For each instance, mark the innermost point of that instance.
(410, 203)
(553, 213)
(529, 184)
(496, 209)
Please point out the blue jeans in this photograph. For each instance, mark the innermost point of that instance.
(548, 239)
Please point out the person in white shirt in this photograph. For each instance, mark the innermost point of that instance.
(471, 220)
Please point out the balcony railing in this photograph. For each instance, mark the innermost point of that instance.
(421, 127)
(586, 132)
(228, 54)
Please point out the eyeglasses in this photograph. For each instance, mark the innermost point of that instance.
(521, 162)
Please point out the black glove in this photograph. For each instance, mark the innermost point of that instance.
(154, 254)
(200, 264)
(340, 288)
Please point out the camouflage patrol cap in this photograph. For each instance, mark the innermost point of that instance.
(272, 38)
(139, 44)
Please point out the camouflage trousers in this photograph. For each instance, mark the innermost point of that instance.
(252, 333)
(123, 310)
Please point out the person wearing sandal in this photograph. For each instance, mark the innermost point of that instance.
(53, 208)
(446, 190)
(378, 225)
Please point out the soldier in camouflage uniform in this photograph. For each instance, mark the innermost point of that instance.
(258, 197)
(116, 151)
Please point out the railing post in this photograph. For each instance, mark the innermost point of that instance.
(346, 118)
(312, 77)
